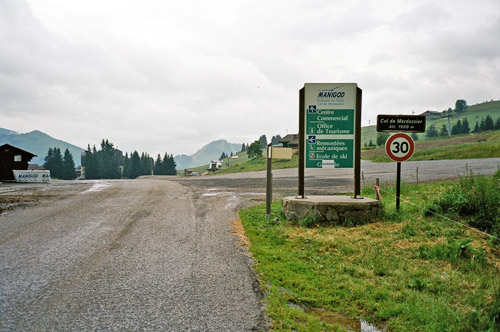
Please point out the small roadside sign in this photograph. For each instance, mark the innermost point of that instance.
(401, 123)
(399, 147)
(281, 153)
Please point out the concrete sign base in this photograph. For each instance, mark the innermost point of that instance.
(333, 209)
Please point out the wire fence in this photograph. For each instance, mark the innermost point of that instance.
(490, 236)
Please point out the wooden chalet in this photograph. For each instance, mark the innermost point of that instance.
(12, 158)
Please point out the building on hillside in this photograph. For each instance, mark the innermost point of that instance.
(432, 114)
(290, 141)
(13, 158)
(214, 166)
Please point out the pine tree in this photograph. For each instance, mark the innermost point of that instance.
(146, 164)
(414, 136)
(170, 165)
(444, 131)
(126, 166)
(275, 140)
(90, 164)
(135, 165)
(68, 167)
(497, 124)
(243, 147)
(465, 126)
(476, 127)
(457, 128)
(370, 144)
(488, 123)
(57, 170)
(165, 164)
(263, 141)
(108, 161)
(98, 162)
(157, 170)
(49, 160)
(431, 132)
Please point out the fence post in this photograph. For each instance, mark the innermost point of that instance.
(269, 182)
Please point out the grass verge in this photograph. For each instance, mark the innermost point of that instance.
(485, 145)
(404, 272)
(260, 164)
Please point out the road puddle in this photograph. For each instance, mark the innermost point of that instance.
(212, 194)
(330, 317)
(98, 186)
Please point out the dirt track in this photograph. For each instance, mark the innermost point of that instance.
(152, 254)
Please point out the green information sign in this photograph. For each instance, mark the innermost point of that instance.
(329, 125)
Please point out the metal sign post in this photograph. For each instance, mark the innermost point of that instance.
(269, 184)
(276, 153)
(399, 147)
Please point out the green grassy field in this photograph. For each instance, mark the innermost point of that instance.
(474, 113)
(483, 145)
(259, 164)
(242, 158)
(404, 272)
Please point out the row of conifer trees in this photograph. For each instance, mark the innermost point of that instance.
(60, 167)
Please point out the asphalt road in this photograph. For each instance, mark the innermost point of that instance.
(152, 254)
(333, 181)
(143, 255)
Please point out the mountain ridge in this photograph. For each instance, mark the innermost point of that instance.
(38, 142)
(209, 152)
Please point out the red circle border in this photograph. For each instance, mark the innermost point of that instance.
(392, 138)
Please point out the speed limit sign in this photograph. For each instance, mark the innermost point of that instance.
(399, 147)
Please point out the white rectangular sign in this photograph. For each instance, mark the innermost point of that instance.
(31, 176)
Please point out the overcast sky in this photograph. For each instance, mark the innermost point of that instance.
(170, 76)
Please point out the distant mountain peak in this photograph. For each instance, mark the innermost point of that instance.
(7, 132)
(38, 142)
(209, 152)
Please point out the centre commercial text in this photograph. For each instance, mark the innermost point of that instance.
(331, 118)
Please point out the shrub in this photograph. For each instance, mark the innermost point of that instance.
(454, 252)
(474, 199)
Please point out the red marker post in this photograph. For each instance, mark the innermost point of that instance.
(399, 147)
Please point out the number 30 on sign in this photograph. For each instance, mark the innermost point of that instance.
(399, 147)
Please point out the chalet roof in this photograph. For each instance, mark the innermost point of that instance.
(431, 113)
(289, 138)
(8, 148)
